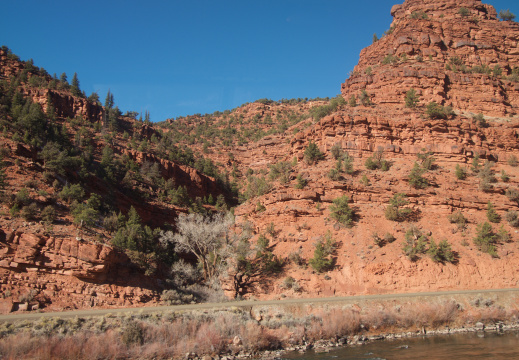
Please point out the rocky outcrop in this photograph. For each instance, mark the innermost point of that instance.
(30, 252)
(405, 132)
(465, 61)
(68, 273)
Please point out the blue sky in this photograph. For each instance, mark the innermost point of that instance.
(176, 58)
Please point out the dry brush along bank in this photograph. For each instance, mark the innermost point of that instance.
(241, 332)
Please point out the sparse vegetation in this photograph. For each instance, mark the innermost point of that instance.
(396, 210)
(322, 260)
(340, 211)
(458, 218)
(436, 111)
(313, 154)
(486, 239)
(416, 179)
(377, 161)
(506, 15)
(411, 98)
(415, 243)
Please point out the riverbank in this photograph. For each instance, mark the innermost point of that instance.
(255, 331)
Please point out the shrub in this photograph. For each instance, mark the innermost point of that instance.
(426, 159)
(48, 214)
(512, 161)
(378, 240)
(512, 218)
(486, 238)
(322, 260)
(480, 121)
(486, 175)
(364, 98)
(313, 154)
(22, 197)
(301, 182)
(503, 235)
(411, 98)
(506, 15)
(512, 194)
(341, 211)
(389, 238)
(461, 173)
(464, 12)
(72, 192)
(492, 215)
(441, 252)
(437, 111)
(389, 59)
(133, 334)
(419, 15)
(352, 102)
(458, 219)
(364, 180)
(395, 210)
(281, 171)
(415, 243)
(29, 212)
(336, 151)
(377, 161)
(504, 176)
(416, 179)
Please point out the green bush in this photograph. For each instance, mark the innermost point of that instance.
(322, 260)
(506, 15)
(461, 173)
(48, 214)
(464, 11)
(396, 211)
(441, 252)
(72, 192)
(336, 151)
(411, 98)
(312, 153)
(458, 219)
(415, 243)
(492, 215)
(301, 182)
(364, 98)
(416, 179)
(377, 161)
(29, 212)
(486, 239)
(437, 111)
(340, 210)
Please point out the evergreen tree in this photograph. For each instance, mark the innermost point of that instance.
(75, 86)
(109, 101)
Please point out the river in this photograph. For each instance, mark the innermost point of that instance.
(473, 346)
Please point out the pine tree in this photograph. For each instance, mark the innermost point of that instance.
(109, 101)
(74, 89)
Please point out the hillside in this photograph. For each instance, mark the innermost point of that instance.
(407, 181)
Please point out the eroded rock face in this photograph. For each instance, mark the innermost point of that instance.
(439, 52)
(68, 273)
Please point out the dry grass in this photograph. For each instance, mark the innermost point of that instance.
(172, 335)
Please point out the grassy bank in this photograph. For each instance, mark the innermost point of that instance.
(245, 331)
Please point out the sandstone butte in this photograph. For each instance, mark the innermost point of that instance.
(432, 48)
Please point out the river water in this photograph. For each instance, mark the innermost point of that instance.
(473, 346)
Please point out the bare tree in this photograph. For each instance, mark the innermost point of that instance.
(206, 237)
